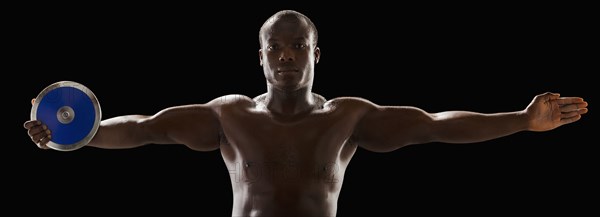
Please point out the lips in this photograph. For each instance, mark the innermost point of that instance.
(287, 70)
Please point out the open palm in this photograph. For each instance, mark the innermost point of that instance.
(548, 111)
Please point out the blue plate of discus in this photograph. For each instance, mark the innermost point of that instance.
(72, 113)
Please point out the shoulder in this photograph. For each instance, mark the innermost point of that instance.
(367, 107)
(227, 101)
(223, 101)
(231, 100)
(349, 103)
(354, 106)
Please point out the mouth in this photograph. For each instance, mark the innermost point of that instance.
(285, 71)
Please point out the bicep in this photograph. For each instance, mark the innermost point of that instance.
(195, 126)
(387, 128)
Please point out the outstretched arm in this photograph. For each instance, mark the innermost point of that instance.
(385, 128)
(195, 126)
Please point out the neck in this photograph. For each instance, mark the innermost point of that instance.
(289, 102)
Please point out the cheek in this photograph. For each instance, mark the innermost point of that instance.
(306, 55)
(270, 60)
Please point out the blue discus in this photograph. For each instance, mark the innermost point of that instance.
(72, 113)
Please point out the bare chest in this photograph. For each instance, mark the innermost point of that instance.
(317, 138)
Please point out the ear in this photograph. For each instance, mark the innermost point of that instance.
(260, 56)
(317, 54)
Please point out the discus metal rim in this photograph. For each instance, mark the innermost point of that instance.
(97, 111)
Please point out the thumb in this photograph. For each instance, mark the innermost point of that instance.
(32, 101)
(554, 95)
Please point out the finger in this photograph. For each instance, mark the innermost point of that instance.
(44, 141)
(582, 111)
(32, 101)
(573, 107)
(583, 104)
(569, 100)
(36, 129)
(570, 120)
(568, 108)
(37, 137)
(569, 114)
(31, 123)
(547, 96)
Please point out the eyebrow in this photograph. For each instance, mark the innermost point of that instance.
(304, 39)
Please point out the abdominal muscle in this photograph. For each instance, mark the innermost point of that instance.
(295, 192)
(311, 200)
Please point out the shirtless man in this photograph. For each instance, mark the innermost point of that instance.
(289, 148)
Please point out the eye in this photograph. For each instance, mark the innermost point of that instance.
(272, 47)
(300, 46)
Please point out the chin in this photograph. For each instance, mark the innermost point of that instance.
(288, 87)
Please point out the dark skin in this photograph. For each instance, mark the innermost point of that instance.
(288, 149)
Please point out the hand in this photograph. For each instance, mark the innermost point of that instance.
(39, 132)
(548, 111)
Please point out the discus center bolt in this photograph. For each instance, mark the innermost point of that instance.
(65, 114)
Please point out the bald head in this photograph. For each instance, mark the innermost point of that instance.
(288, 16)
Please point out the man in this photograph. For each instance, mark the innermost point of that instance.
(290, 147)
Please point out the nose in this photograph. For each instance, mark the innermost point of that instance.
(286, 56)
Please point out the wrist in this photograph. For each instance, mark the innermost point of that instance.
(523, 120)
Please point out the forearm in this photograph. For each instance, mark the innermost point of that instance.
(468, 127)
(120, 132)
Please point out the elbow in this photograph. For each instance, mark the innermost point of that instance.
(146, 131)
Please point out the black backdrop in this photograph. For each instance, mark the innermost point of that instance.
(143, 58)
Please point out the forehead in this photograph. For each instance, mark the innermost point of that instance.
(287, 28)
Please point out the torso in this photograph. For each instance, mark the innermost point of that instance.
(286, 166)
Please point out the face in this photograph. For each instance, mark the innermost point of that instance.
(288, 54)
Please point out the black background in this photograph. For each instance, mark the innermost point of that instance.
(139, 59)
